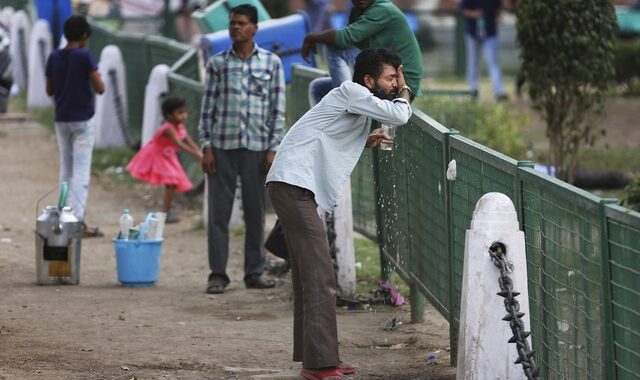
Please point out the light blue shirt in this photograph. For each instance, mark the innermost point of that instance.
(321, 149)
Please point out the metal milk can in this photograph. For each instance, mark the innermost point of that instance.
(58, 234)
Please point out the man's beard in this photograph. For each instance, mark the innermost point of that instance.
(382, 94)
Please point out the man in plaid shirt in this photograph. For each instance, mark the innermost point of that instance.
(241, 126)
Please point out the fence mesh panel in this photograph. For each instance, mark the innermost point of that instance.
(563, 236)
(624, 260)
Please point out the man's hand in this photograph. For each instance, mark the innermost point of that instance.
(208, 161)
(268, 160)
(376, 137)
(308, 46)
(401, 80)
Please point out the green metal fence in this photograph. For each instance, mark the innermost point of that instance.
(141, 53)
(583, 253)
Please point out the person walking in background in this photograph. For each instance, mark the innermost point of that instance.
(71, 73)
(314, 161)
(241, 126)
(481, 32)
(157, 162)
(372, 23)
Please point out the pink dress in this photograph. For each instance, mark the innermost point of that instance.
(157, 162)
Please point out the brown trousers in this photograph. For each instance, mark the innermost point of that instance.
(315, 335)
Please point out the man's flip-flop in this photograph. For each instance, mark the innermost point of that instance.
(323, 374)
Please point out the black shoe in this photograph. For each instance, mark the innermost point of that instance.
(502, 98)
(474, 95)
(258, 282)
(216, 286)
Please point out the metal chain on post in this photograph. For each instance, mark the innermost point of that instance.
(497, 251)
(117, 101)
(42, 50)
(22, 46)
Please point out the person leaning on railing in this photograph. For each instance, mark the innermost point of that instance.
(315, 159)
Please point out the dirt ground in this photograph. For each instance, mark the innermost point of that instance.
(101, 330)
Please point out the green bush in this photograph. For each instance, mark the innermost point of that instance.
(489, 124)
(632, 198)
(627, 60)
(627, 66)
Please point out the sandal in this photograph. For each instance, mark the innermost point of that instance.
(322, 374)
(91, 232)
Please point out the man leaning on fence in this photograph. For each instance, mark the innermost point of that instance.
(313, 162)
(241, 127)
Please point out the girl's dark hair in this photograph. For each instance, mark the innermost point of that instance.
(247, 10)
(170, 104)
(76, 27)
(370, 61)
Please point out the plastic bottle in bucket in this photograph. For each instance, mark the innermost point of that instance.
(126, 222)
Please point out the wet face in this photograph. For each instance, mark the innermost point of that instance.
(179, 116)
(362, 4)
(241, 29)
(386, 86)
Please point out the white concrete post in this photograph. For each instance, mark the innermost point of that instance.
(19, 50)
(111, 107)
(152, 114)
(237, 215)
(6, 13)
(483, 351)
(345, 257)
(39, 49)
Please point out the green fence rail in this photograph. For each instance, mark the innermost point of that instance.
(583, 253)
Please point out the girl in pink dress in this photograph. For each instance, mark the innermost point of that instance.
(157, 162)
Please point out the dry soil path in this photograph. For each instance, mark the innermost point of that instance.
(101, 330)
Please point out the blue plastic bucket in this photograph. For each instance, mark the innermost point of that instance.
(138, 261)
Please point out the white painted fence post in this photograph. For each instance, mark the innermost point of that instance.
(19, 50)
(237, 214)
(6, 14)
(483, 348)
(152, 114)
(111, 118)
(39, 49)
(345, 257)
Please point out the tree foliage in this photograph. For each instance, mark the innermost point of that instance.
(566, 48)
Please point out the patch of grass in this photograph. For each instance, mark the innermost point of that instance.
(623, 160)
(238, 231)
(367, 276)
(46, 117)
(111, 157)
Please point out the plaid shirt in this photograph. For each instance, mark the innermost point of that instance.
(244, 102)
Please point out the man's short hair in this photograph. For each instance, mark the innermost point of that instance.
(76, 27)
(370, 61)
(247, 10)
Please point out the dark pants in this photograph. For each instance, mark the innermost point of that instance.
(222, 188)
(315, 335)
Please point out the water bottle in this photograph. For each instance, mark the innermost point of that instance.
(126, 222)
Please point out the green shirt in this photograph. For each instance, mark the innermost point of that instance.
(382, 24)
